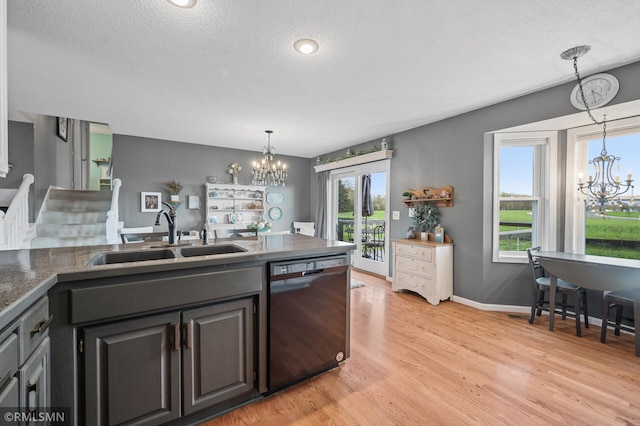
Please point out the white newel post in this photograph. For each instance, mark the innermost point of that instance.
(112, 214)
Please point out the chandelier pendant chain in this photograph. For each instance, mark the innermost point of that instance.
(603, 187)
(584, 98)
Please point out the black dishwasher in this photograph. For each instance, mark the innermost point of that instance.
(308, 318)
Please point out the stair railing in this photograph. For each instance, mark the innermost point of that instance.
(14, 225)
(112, 214)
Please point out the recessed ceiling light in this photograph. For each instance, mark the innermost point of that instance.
(183, 3)
(306, 46)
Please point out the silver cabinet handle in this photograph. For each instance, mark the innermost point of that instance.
(42, 326)
(176, 336)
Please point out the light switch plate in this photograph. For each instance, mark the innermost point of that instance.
(396, 215)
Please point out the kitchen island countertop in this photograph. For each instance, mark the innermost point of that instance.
(26, 275)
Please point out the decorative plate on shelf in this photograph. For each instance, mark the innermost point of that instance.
(275, 213)
(275, 198)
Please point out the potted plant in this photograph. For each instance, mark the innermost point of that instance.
(426, 218)
(173, 188)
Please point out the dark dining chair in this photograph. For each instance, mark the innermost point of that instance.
(618, 300)
(374, 243)
(542, 286)
(221, 234)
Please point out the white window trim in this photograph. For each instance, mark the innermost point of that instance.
(574, 240)
(546, 191)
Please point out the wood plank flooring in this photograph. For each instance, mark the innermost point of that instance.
(416, 364)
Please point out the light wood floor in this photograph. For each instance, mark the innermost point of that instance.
(416, 364)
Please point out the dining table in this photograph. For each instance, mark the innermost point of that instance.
(592, 272)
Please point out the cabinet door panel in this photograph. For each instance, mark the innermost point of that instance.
(34, 379)
(218, 353)
(132, 371)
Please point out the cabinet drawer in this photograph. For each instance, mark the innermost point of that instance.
(33, 327)
(10, 394)
(414, 266)
(412, 282)
(426, 253)
(8, 358)
(102, 302)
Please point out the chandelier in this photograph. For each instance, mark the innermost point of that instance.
(602, 187)
(268, 172)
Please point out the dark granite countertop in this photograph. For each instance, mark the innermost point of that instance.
(26, 275)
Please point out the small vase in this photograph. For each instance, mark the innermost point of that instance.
(235, 179)
(175, 197)
(410, 234)
(424, 236)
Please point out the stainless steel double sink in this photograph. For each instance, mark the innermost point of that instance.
(110, 258)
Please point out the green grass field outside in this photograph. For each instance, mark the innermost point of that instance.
(606, 228)
(377, 215)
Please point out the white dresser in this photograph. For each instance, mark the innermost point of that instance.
(425, 267)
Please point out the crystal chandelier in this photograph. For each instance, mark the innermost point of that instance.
(602, 187)
(268, 172)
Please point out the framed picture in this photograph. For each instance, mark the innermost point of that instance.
(193, 202)
(62, 128)
(150, 201)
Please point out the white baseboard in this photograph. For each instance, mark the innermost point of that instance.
(510, 308)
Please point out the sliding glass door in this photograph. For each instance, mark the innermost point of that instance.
(359, 213)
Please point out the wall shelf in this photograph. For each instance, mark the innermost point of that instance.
(441, 197)
(356, 159)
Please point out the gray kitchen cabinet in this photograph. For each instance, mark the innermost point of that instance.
(132, 371)
(218, 353)
(34, 379)
(25, 360)
(133, 367)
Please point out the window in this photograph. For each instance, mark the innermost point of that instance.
(524, 194)
(612, 233)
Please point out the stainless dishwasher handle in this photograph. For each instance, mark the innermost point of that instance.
(316, 271)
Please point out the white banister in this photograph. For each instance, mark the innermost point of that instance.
(112, 214)
(14, 225)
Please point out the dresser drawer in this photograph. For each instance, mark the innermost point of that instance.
(423, 252)
(34, 326)
(414, 266)
(412, 282)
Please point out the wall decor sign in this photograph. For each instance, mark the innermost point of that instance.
(62, 128)
(150, 201)
(193, 201)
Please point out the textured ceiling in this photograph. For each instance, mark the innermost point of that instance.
(224, 71)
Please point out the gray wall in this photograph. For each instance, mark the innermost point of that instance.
(21, 154)
(35, 148)
(145, 164)
(453, 152)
